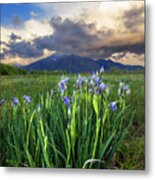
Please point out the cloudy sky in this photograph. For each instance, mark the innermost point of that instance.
(107, 30)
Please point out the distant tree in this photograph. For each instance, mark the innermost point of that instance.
(114, 70)
(140, 71)
(11, 70)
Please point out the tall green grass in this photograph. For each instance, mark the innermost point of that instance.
(47, 133)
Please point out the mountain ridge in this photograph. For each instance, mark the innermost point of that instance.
(76, 64)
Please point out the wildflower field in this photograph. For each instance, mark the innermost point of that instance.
(73, 121)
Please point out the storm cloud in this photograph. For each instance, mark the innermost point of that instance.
(79, 37)
(107, 51)
(21, 49)
(133, 18)
(70, 36)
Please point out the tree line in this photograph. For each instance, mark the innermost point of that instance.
(12, 70)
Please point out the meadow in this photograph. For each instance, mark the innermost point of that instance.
(73, 121)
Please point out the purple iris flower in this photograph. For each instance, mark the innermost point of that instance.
(93, 76)
(90, 90)
(126, 87)
(66, 79)
(15, 101)
(27, 99)
(127, 90)
(113, 105)
(79, 81)
(123, 89)
(96, 90)
(102, 87)
(62, 86)
(66, 101)
(2, 102)
(97, 80)
(102, 70)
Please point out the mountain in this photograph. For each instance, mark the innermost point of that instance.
(108, 64)
(68, 63)
(44, 64)
(76, 64)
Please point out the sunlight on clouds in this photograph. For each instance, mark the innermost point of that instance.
(32, 28)
(114, 7)
(25, 61)
(38, 28)
(110, 12)
(17, 60)
(128, 58)
(105, 14)
(67, 10)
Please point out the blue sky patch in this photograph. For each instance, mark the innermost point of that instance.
(12, 13)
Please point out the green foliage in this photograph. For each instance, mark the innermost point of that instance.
(11, 70)
(115, 70)
(39, 136)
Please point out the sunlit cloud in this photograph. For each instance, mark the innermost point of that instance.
(135, 59)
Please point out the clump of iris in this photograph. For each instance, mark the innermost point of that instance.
(113, 106)
(96, 84)
(66, 100)
(27, 99)
(102, 70)
(80, 81)
(102, 87)
(123, 89)
(62, 85)
(15, 101)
